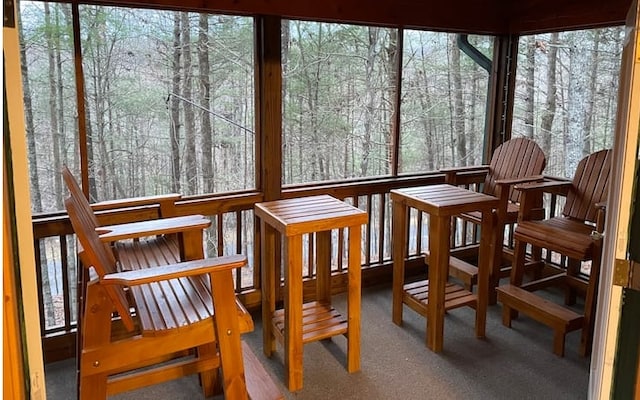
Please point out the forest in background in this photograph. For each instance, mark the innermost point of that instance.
(170, 100)
(169, 106)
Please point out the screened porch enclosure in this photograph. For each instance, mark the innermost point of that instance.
(233, 106)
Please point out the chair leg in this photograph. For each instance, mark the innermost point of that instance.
(573, 269)
(93, 387)
(558, 342)
(517, 275)
(517, 267)
(507, 315)
(209, 379)
(228, 334)
(590, 302)
(536, 255)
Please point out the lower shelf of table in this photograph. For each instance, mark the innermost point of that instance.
(416, 296)
(319, 321)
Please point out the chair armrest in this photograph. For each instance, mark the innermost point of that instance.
(601, 211)
(136, 201)
(471, 168)
(556, 187)
(173, 271)
(112, 233)
(524, 179)
(473, 174)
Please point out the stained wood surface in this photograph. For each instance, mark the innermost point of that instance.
(513, 161)
(576, 235)
(164, 226)
(309, 214)
(298, 323)
(495, 17)
(442, 202)
(175, 304)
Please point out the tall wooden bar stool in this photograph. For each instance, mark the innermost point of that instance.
(299, 323)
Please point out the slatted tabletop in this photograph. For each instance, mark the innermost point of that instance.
(309, 214)
(444, 200)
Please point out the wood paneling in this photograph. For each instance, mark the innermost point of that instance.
(466, 16)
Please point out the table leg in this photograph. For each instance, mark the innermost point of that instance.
(399, 244)
(323, 266)
(486, 263)
(269, 282)
(439, 231)
(354, 299)
(293, 312)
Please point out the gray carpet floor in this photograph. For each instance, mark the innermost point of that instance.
(515, 363)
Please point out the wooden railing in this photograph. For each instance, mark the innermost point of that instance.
(234, 230)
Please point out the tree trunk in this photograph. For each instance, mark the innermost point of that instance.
(53, 106)
(458, 104)
(174, 128)
(529, 99)
(591, 93)
(190, 167)
(312, 85)
(60, 89)
(205, 101)
(426, 105)
(578, 88)
(36, 199)
(549, 111)
(373, 34)
(392, 78)
(475, 76)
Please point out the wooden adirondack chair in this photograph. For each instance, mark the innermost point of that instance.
(165, 326)
(577, 234)
(515, 161)
(141, 244)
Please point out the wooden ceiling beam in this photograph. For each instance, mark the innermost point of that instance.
(476, 16)
(533, 16)
(495, 17)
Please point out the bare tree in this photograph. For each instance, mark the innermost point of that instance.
(174, 126)
(529, 99)
(36, 198)
(373, 37)
(458, 114)
(190, 167)
(53, 104)
(574, 138)
(549, 110)
(205, 102)
(391, 59)
(591, 94)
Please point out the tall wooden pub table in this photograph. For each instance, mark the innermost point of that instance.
(298, 323)
(432, 297)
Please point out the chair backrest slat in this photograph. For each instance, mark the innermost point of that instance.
(76, 192)
(515, 158)
(589, 186)
(98, 255)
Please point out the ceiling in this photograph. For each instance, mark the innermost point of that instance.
(468, 16)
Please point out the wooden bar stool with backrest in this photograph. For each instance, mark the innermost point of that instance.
(173, 312)
(517, 160)
(148, 243)
(576, 234)
(165, 326)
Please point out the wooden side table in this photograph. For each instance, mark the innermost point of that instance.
(432, 297)
(298, 323)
